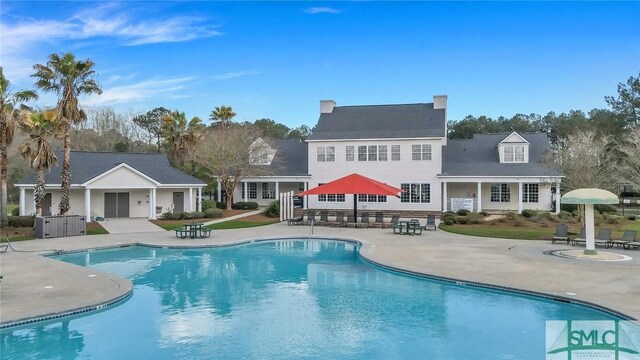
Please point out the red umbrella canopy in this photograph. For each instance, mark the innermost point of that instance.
(354, 184)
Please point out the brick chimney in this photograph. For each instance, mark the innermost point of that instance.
(326, 106)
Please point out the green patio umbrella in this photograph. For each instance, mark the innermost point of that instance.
(589, 197)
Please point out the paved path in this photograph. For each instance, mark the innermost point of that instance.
(519, 264)
(130, 225)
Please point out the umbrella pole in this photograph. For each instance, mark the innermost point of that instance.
(589, 230)
(355, 209)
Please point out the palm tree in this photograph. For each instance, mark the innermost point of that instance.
(222, 115)
(69, 79)
(181, 136)
(37, 149)
(9, 105)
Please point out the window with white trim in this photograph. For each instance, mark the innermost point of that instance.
(395, 152)
(253, 190)
(330, 197)
(268, 190)
(514, 153)
(350, 153)
(372, 198)
(321, 154)
(500, 193)
(326, 153)
(415, 193)
(530, 193)
(373, 153)
(382, 152)
(421, 152)
(362, 153)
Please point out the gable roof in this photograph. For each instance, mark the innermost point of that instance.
(512, 138)
(290, 158)
(380, 121)
(87, 165)
(479, 157)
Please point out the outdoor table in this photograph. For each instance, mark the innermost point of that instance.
(195, 229)
(406, 225)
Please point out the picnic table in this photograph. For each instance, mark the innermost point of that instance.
(407, 227)
(193, 230)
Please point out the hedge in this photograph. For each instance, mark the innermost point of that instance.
(21, 221)
(241, 205)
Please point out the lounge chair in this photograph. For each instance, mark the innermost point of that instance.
(394, 222)
(364, 219)
(339, 220)
(635, 243)
(582, 238)
(351, 221)
(604, 237)
(295, 221)
(562, 234)
(324, 218)
(311, 217)
(628, 236)
(379, 222)
(431, 223)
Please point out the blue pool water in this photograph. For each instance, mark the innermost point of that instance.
(288, 300)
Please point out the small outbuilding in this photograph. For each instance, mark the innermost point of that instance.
(117, 185)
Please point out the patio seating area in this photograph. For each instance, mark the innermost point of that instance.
(604, 238)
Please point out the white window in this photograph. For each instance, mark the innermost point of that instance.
(395, 152)
(321, 153)
(382, 152)
(500, 193)
(253, 190)
(350, 153)
(373, 153)
(268, 190)
(415, 193)
(331, 153)
(421, 152)
(362, 153)
(530, 193)
(514, 153)
(372, 198)
(326, 153)
(330, 197)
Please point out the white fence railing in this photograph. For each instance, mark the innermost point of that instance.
(286, 206)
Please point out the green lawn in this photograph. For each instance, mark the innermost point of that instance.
(237, 224)
(500, 232)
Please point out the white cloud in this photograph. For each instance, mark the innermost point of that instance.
(322, 10)
(235, 74)
(140, 91)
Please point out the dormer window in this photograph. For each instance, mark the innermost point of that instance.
(260, 153)
(513, 153)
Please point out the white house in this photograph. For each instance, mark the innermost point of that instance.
(406, 146)
(117, 185)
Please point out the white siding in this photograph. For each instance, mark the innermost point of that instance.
(283, 187)
(391, 172)
(119, 177)
(469, 190)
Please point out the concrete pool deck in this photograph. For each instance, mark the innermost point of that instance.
(35, 286)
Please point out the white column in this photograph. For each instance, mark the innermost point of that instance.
(589, 230)
(444, 196)
(199, 199)
(150, 201)
(246, 191)
(305, 199)
(22, 202)
(519, 197)
(154, 203)
(277, 190)
(87, 205)
(479, 196)
(190, 199)
(219, 188)
(558, 197)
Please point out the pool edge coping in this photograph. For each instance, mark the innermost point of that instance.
(104, 305)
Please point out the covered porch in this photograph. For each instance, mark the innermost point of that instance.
(266, 189)
(500, 193)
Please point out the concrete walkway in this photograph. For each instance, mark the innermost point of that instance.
(130, 225)
(518, 264)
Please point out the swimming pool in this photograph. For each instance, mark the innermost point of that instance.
(288, 300)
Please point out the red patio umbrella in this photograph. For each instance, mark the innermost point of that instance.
(354, 184)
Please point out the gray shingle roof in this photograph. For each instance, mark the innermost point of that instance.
(290, 158)
(86, 165)
(479, 157)
(380, 121)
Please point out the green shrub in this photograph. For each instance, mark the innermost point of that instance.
(529, 213)
(273, 210)
(474, 218)
(213, 213)
(484, 213)
(208, 204)
(462, 212)
(221, 205)
(449, 222)
(168, 216)
(564, 215)
(21, 221)
(448, 213)
(518, 222)
(511, 215)
(613, 219)
(569, 207)
(631, 217)
(241, 205)
(605, 208)
(462, 220)
(15, 211)
(597, 218)
(181, 215)
(197, 215)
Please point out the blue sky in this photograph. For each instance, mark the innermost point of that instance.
(278, 59)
